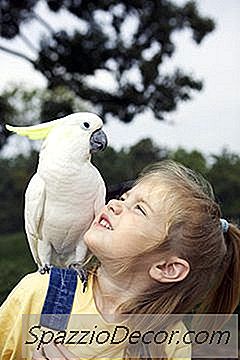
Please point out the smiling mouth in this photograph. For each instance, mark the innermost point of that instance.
(105, 222)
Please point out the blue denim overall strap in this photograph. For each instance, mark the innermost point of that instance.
(59, 299)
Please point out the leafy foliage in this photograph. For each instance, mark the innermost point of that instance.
(120, 166)
(7, 112)
(13, 14)
(117, 39)
(125, 165)
(15, 261)
(22, 107)
(17, 173)
(194, 160)
(224, 175)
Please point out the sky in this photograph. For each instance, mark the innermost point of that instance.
(208, 123)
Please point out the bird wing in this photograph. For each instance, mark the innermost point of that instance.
(35, 197)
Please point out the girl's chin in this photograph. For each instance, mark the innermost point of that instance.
(93, 241)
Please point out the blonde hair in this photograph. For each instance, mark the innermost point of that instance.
(192, 232)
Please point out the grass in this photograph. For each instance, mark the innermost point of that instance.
(15, 261)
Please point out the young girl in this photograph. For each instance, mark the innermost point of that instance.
(162, 249)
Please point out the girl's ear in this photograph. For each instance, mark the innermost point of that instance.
(172, 270)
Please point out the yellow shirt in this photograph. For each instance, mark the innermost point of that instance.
(28, 298)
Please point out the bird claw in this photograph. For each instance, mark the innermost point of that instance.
(45, 269)
(82, 273)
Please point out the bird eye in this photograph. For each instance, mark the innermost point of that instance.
(86, 125)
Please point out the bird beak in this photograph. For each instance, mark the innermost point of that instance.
(98, 141)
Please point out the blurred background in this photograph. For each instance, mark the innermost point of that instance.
(164, 75)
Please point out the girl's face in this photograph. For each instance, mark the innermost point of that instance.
(124, 228)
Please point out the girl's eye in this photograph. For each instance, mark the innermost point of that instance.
(138, 207)
(141, 209)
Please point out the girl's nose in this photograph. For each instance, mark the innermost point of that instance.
(115, 206)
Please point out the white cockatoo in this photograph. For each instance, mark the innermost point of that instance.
(66, 192)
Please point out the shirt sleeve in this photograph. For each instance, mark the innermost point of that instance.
(26, 298)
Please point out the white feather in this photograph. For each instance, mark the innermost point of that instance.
(65, 194)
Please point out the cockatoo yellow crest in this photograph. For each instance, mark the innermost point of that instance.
(35, 132)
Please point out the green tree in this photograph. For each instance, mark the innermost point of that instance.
(142, 154)
(193, 159)
(20, 106)
(59, 102)
(17, 173)
(7, 112)
(113, 165)
(126, 164)
(225, 177)
(107, 43)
